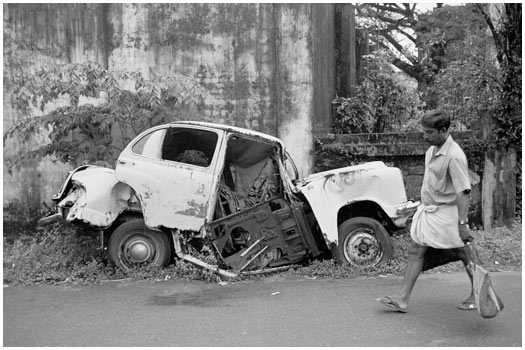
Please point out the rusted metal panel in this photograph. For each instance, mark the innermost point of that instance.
(269, 236)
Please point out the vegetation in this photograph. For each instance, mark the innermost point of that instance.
(503, 120)
(378, 104)
(457, 72)
(432, 34)
(499, 250)
(62, 254)
(126, 104)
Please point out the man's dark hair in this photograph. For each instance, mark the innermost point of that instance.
(436, 119)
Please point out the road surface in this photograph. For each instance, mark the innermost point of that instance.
(279, 310)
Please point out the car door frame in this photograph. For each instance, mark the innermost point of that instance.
(196, 184)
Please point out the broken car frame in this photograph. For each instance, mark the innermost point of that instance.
(237, 191)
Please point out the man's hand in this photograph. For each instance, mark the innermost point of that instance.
(464, 233)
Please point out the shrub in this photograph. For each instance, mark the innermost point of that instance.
(52, 255)
(379, 103)
(20, 218)
(126, 103)
(353, 116)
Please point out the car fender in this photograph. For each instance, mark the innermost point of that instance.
(97, 197)
(328, 192)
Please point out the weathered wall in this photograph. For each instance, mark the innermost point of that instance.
(269, 67)
(39, 35)
(230, 48)
(294, 124)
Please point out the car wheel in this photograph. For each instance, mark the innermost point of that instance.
(133, 244)
(363, 242)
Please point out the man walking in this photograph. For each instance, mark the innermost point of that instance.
(441, 220)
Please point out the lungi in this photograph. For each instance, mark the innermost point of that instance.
(436, 226)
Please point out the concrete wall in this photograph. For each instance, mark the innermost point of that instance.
(269, 67)
(37, 35)
(260, 61)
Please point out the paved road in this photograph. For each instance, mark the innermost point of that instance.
(276, 311)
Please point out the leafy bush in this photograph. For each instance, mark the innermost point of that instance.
(468, 86)
(378, 104)
(353, 116)
(126, 104)
(475, 149)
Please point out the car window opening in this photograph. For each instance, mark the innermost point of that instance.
(250, 175)
(189, 146)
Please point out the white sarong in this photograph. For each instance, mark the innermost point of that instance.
(436, 226)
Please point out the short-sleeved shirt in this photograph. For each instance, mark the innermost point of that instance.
(446, 174)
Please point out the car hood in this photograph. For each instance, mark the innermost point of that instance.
(348, 169)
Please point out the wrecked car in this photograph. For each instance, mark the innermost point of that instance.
(236, 191)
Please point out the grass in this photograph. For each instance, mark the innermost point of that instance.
(499, 249)
(63, 255)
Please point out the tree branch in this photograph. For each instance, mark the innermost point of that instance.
(495, 34)
(410, 37)
(398, 47)
(412, 71)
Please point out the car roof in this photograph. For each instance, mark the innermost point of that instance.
(233, 129)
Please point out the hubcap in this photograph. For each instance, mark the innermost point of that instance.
(361, 248)
(138, 250)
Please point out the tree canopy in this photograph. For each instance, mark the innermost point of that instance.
(419, 43)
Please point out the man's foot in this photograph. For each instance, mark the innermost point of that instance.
(393, 303)
(469, 304)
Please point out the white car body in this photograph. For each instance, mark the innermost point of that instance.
(176, 195)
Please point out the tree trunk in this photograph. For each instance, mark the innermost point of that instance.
(499, 178)
(498, 196)
(499, 188)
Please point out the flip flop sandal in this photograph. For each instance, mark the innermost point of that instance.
(467, 306)
(391, 303)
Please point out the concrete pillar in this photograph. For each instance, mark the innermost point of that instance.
(294, 76)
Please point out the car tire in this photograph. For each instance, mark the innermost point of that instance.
(363, 242)
(133, 244)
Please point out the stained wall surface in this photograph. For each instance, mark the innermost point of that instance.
(268, 67)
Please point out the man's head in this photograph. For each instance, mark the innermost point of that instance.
(435, 127)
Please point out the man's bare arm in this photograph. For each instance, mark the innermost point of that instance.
(463, 206)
